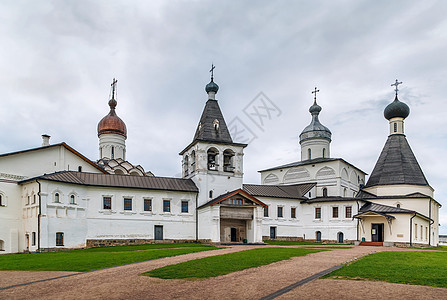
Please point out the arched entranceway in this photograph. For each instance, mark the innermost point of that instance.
(318, 236)
(340, 237)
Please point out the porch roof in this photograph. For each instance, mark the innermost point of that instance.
(228, 195)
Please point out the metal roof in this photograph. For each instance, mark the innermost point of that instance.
(310, 162)
(227, 195)
(396, 165)
(380, 208)
(121, 181)
(330, 199)
(294, 191)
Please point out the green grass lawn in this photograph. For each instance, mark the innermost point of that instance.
(421, 268)
(292, 243)
(228, 263)
(95, 258)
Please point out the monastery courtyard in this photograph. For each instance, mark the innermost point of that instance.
(268, 282)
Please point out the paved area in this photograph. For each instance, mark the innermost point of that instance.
(124, 282)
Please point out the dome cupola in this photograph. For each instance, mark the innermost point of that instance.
(212, 88)
(112, 123)
(396, 109)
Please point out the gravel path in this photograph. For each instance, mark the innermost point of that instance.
(124, 282)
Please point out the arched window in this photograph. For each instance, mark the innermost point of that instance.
(398, 205)
(318, 236)
(113, 152)
(186, 165)
(340, 237)
(80, 169)
(212, 159)
(324, 152)
(211, 194)
(324, 192)
(119, 172)
(72, 199)
(309, 154)
(193, 160)
(228, 160)
(395, 127)
(56, 198)
(345, 192)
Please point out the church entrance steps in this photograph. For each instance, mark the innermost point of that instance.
(380, 244)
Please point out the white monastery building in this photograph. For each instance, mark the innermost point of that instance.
(54, 197)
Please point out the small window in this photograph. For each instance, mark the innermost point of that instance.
(28, 200)
(166, 205)
(280, 211)
(395, 127)
(293, 212)
(80, 169)
(186, 165)
(324, 152)
(107, 202)
(1, 201)
(266, 211)
(59, 238)
(56, 198)
(345, 192)
(324, 192)
(211, 194)
(72, 199)
(33, 239)
(228, 160)
(310, 194)
(127, 203)
(184, 206)
(415, 231)
(309, 154)
(212, 159)
(236, 202)
(317, 212)
(398, 205)
(113, 152)
(335, 212)
(147, 204)
(348, 212)
(34, 199)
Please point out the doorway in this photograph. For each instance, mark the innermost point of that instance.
(233, 234)
(340, 237)
(377, 232)
(318, 236)
(158, 234)
(273, 232)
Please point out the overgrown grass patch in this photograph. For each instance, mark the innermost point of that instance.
(227, 263)
(419, 267)
(292, 243)
(92, 259)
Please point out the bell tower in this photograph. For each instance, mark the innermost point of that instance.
(212, 160)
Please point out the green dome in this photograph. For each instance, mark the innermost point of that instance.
(396, 109)
(211, 87)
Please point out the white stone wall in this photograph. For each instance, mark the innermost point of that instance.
(107, 141)
(11, 229)
(316, 147)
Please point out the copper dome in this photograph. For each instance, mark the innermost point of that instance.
(112, 123)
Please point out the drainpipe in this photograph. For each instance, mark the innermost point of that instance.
(411, 230)
(197, 218)
(39, 216)
(357, 220)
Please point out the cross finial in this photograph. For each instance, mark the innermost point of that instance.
(315, 91)
(113, 85)
(212, 71)
(396, 84)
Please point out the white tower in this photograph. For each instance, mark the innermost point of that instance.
(112, 132)
(315, 140)
(212, 160)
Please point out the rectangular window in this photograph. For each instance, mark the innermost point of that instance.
(147, 204)
(266, 211)
(33, 239)
(236, 202)
(184, 206)
(293, 212)
(127, 203)
(166, 205)
(107, 202)
(335, 212)
(280, 214)
(28, 200)
(317, 212)
(59, 238)
(34, 199)
(348, 212)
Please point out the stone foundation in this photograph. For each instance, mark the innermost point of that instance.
(122, 242)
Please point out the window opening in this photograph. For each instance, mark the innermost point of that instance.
(193, 160)
(211, 194)
(113, 152)
(293, 212)
(56, 198)
(212, 159)
(33, 239)
(186, 165)
(147, 204)
(335, 212)
(184, 206)
(348, 212)
(266, 211)
(107, 202)
(166, 205)
(228, 160)
(80, 169)
(309, 153)
(236, 201)
(34, 198)
(280, 211)
(324, 192)
(317, 212)
(59, 238)
(395, 127)
(72, 199)
(127, 203)
(324, 152)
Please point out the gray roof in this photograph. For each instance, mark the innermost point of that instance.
(380, 208)
(205, 131)
(294, 191)
(310, 162)
(331, 199)
(397, 164)
(121, 181)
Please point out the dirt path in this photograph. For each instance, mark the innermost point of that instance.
(124, 281)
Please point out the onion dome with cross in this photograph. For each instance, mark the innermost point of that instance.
(112, 123)
(212, 88)
(396, 109)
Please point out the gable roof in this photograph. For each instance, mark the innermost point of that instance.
(310, 162)
(231, 194)
(397, 165)
(63, 144)
(385, 210)
(294, 191)
(121, 181)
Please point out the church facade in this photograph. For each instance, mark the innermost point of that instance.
(54, 197)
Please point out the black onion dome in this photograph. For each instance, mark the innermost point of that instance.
(211, 87)
(396, 109)
(315, 108)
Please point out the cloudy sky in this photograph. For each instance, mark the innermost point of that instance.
(58, 58)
